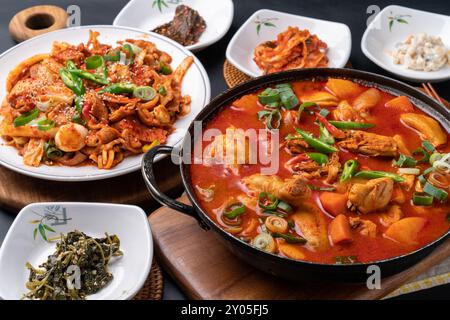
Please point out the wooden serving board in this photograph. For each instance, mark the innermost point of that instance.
(205, 269)
(17, 190)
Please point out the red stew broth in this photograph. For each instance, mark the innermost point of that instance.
(242, 113)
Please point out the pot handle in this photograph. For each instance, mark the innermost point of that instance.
(150, 180)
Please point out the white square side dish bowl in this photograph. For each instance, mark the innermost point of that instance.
(382, 35)
(129, 223)
(149, 14)
(255, 31)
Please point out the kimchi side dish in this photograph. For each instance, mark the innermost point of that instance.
(293, 49)
(92, 103)
(363, 175)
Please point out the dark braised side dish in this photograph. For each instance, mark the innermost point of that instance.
(56, 278)
(186, 27)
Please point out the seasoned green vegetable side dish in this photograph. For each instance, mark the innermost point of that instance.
(77, 268)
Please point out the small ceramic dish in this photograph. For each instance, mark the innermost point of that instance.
(265, 25)
(393, 25)
(149, 14)
(22, 244)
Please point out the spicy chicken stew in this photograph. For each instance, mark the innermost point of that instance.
(363, 175)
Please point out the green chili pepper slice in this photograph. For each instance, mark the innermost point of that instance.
(267, 201)
(349, 125)
(114, 56)
(421, 199)
(119, 88)
(289, 238)
(350, 168)
(71, 81)
(316, 143)
(234, 210)
(144, 93)
(164, 68)
(162, 91)
(26, 117)
(46, 124)
(90, 76)
(373, 174)
(94, 62)
(320, 158)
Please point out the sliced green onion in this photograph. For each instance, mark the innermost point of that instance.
(405, 161)
(413, 171)
(144, 93)
(425, 156)
(350, 168)
(320, 158)
(287, 96)
(268, 201)
(324, 112)
(269, 96)
(421, 199)
(94, 62)
(437, 193)
(234, 210)
(373, 174)
(26, 117)
(51, 152)
(289, 238)
(348, 125)
(316, 143)
(283, 206)
(325, 135)
(428, 146)
(46, 124)
(435, 157)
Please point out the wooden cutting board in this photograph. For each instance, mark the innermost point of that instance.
(205, 269)
(17, 190)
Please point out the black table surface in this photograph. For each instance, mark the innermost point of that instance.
(353, 13)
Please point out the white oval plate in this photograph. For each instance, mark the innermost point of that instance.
(240, 49)
(129, 223)
(378, 41)
(195, 83)
(146, 15)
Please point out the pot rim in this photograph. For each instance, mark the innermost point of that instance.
(419, 99)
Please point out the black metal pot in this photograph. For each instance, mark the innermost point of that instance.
(271, 263)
